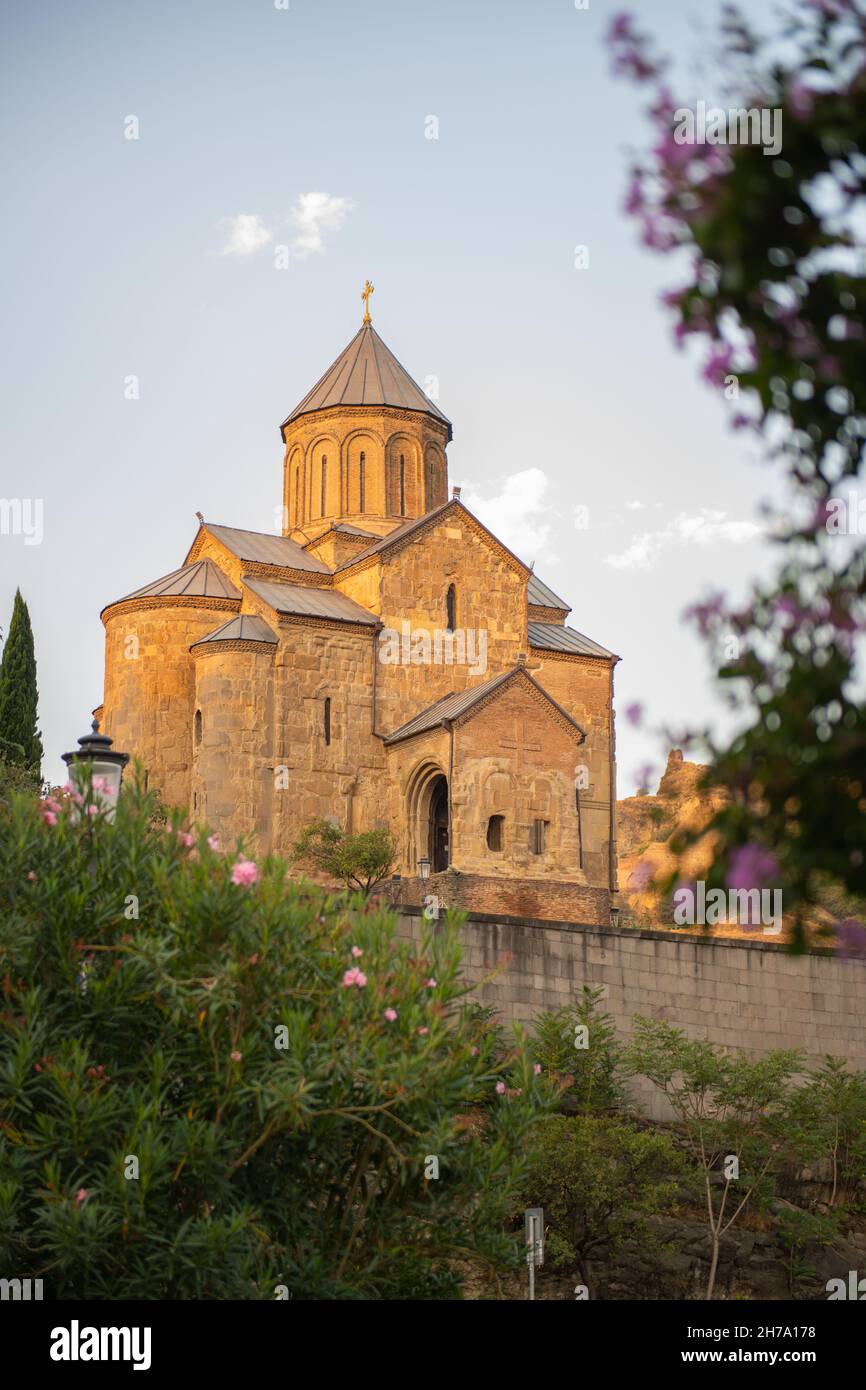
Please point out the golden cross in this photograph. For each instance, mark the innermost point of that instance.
(365, 295)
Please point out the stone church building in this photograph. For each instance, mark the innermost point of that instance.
(386, 661)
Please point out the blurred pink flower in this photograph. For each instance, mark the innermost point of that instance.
(354, 977)
(213, 842)
(751, 866)
(31, 877)
(81, 1195)
(536, 1070)
(500, 1088)
(244, 872)
(356, 952)
(236, 1056)
(634, 713)
(431, 983)
(422, 1032)
(186, 839)
(390, 1014)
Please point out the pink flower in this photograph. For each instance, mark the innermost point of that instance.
(354, 977)
(244, 873)
(49, 817)
(186, 839)
(422, 1032)
(356, 952)
(431, 983)
(93, 810)
(236, 1056)
(474, 1051)
(851, 938)
(500, 1088)
(536, 1070)
(751, 866)
(31, 877)
(390, 1014)
(634, 713)
(254, 958)
(81, 1195)
(718, 364)
(213, 842)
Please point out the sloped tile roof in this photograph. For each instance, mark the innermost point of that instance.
(460, 702)
(367, 373)
(246, 627)
(300, 601)
(553, 638)
(201, 579)
(261, 548)
(537, 592)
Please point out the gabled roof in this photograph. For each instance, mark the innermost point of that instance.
(246, 627)
(538, 593)
(367, 373)
(461, 702)
(258, 547)
(201, 579)
(300, 601)
(418, 523)
(553, 638)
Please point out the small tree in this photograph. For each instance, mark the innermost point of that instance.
(19, 737)
(829, 1115)
(359, 861)
(579, 1041)
(598, 1179)
(735, 1115)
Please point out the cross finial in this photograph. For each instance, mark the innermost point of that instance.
(365, 295)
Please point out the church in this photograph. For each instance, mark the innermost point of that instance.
(384, 662)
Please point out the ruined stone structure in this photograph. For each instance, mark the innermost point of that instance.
(386, 661)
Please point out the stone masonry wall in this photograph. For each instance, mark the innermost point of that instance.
(748, 994)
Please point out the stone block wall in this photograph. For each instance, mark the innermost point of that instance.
(748, 994)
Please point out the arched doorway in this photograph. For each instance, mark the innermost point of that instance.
(439, 844)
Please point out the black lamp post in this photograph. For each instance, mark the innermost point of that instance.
(96, 757)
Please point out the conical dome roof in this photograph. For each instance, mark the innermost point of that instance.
(367, 373)
(202, 579)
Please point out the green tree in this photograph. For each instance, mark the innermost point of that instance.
(771, 244)
(359, 861)
(735, 1114)
(829, 1119)
(598, 1179)
(578, 1045)
(19, 737)
(216, 1082)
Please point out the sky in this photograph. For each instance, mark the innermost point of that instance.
(195, 194)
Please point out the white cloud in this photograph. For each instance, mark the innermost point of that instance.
(705, 529)
(314, 214)
(517, 514)
(247, 235)
(634, 506)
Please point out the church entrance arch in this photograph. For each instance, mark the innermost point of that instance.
(427, 818)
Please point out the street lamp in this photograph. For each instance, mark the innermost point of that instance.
(424, 868)
(96, 758)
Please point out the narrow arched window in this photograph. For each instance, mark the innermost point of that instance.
(324, 484)
(451, 609)
(402, 486)
(297, 496)
(494, 832)
(198, 727)
(362, 468)
(579, 827)
(328, 719)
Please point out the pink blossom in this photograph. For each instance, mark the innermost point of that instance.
(31, 877)
(422, 1032)
(431, 983)
(474, 1051)
(49, 817)
(254, 958)
(213, 842)
(751, 866)
(357, 952)
(186, 839)
(93, 810)
(236, 1056)
(244, 873)
(354, 977)
(718, 364)
(500, 1088)
(634, 713)
(536, 1070)
(390, 1014)
(81, 1195)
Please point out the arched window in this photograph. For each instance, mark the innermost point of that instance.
(579, 827)
(362, 468)
(198, 727)
(297, 496)
(402, 486)
(494, 832)
(538, 836)
(324, 484)
(451, 609)
(328, 719)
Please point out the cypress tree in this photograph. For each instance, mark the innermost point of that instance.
(19, 737)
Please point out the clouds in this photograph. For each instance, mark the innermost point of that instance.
(707, 528)
(517, 514)
(312, 215)
(247, 234)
